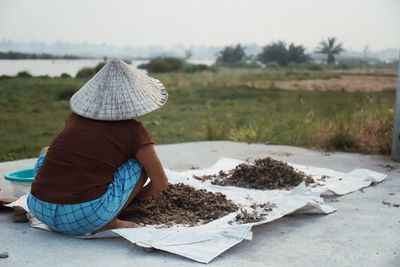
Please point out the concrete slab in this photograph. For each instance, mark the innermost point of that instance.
(363, 231)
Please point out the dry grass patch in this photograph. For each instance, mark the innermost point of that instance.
(367, 132)
(347, 83)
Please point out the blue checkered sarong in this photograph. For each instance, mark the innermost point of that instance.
(86, 217)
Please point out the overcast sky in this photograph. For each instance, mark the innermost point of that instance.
(210, 22)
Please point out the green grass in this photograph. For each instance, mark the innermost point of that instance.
(226, 77)
(282, 117)
(205, 106)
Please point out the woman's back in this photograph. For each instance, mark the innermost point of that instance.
(81, 160)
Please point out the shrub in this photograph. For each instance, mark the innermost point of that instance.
(99, 66)
(342, 139)
(191, 68)
(373, 130)
(313, 66)
(161, 65)
(24, 74)
(85, 73)
(88, 72)
(367, 132)
(64, 94)
(4, 77)
(65, 75)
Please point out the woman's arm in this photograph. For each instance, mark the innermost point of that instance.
(44, 150)
(147, 156)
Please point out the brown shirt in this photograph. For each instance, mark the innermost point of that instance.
(81, 160)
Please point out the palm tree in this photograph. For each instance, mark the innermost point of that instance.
(330, 48)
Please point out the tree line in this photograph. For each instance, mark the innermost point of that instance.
(20, 55)
(274, 54)
(278, 53)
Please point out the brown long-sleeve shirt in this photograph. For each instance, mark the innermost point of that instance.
(82, 159)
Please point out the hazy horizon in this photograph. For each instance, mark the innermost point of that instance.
(181, 45)
(198, 52)
(356, 23)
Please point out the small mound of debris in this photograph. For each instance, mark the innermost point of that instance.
(265, 173)
(180, 204)
(258, 213)
(390, 204)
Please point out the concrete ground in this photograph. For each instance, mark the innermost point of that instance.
(362, 232)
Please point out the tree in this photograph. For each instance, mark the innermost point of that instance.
(274, 52)
(278, 52)
(330, 48)
(296, 54)
(232, 55)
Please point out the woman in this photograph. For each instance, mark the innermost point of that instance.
(102, 158)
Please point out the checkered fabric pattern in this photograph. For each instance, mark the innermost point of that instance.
(86, 217)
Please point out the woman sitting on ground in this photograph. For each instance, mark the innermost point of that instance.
(102, 158)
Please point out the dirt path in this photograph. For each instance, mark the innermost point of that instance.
(348, 83)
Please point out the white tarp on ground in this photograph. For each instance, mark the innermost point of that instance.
(334, 182)
(205, 242)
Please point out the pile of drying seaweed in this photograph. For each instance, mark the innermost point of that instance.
(180, 204)
(265, 173)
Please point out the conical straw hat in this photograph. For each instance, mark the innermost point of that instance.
(118, 92)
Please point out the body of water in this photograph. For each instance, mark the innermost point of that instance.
(56, 67)
(50, 67)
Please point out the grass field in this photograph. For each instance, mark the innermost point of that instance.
(221, 105)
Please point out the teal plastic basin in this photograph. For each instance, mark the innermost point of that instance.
(24, 176)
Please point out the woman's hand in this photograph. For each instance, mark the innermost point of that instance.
(147, 156)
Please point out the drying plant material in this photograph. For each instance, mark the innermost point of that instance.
(259, 212)
(3, 255)
(4, 201)
(19, 215)
(265, 173)
(320, 181)
(180, 204)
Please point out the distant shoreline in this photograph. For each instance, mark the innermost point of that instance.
(10, 55)
(20, 55)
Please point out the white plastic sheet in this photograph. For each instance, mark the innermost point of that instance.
(336, 182)
(340, 183)
(205, 242)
